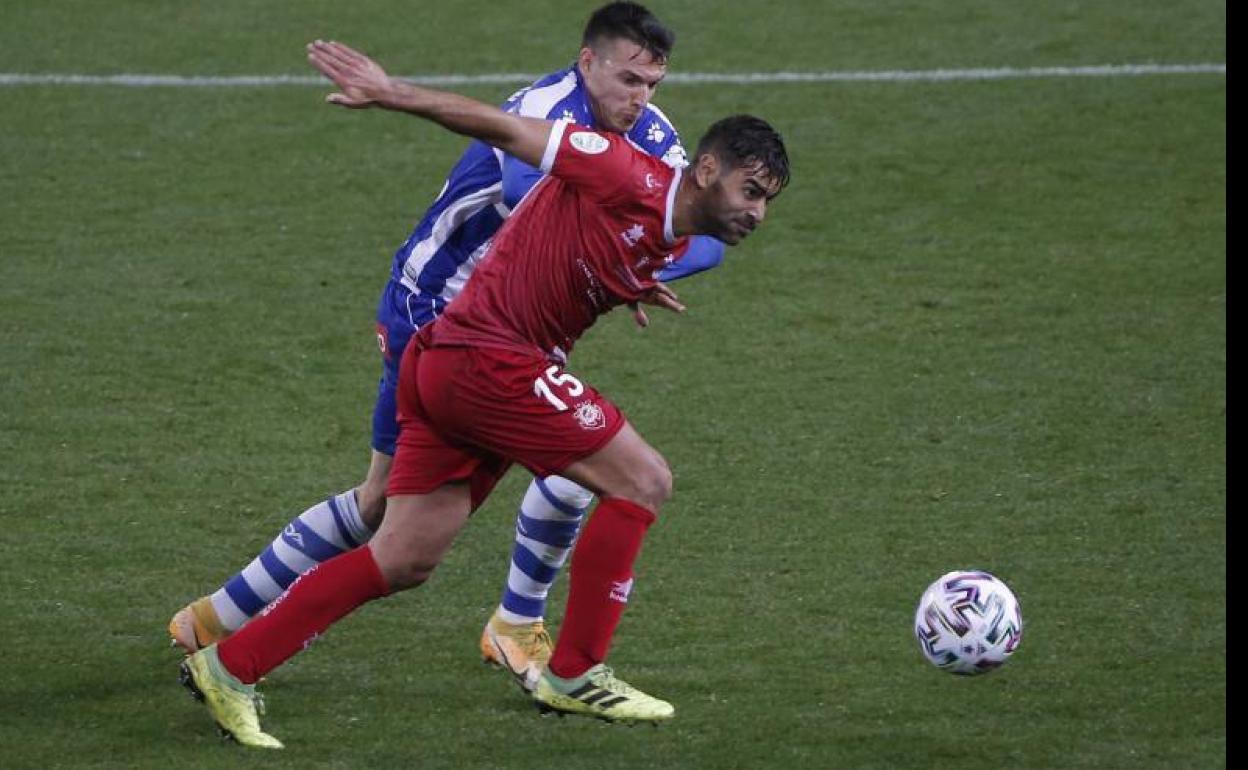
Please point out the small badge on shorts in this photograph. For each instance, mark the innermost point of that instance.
(590, 416)
(381, 341)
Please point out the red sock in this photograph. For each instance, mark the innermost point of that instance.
(312, 604)
(602, 576)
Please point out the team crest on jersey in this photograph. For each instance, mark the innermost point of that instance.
(589, 142)
(590, 416)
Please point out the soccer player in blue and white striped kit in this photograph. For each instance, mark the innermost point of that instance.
(622, 60)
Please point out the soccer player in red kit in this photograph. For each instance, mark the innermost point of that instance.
(484, 385)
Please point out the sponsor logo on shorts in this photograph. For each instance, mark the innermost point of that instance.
(589, 143)
(590, 416)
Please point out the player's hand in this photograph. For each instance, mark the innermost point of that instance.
(660, 296)
(360, 80)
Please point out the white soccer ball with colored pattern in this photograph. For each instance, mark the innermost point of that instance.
(968, 622)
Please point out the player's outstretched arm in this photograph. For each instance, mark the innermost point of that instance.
(363, 83)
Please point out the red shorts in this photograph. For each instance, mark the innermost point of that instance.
(468, 413)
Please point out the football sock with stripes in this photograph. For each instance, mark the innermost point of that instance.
(601, 580)
(546, 527)
(322, 532)
(316, 601)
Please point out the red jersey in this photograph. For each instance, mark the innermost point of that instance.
(593, 234)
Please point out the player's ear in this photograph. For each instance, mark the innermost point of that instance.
(706, 169)
(585, 58)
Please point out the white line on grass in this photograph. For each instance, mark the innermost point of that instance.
(741, 78)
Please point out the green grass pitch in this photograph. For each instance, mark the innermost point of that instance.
(984, 327)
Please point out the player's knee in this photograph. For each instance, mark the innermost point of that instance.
(404, 567)
(654, 482)
(403, 563)
(407, 576)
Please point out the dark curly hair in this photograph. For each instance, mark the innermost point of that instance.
(746, 141)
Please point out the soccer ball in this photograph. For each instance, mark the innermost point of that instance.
(968, 623)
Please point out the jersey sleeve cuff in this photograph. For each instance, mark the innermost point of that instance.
(552, 145)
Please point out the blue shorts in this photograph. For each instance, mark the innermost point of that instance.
(399, 315)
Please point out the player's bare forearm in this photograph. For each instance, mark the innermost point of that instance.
(363, 83)
(522, 138)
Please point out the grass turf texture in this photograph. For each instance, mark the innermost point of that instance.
(985, 327)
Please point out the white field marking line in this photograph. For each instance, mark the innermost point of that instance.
(695, 78)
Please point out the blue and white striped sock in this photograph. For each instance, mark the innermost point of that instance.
(546, 527)
(320, 533)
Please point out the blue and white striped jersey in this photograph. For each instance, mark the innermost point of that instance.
(437, 258)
